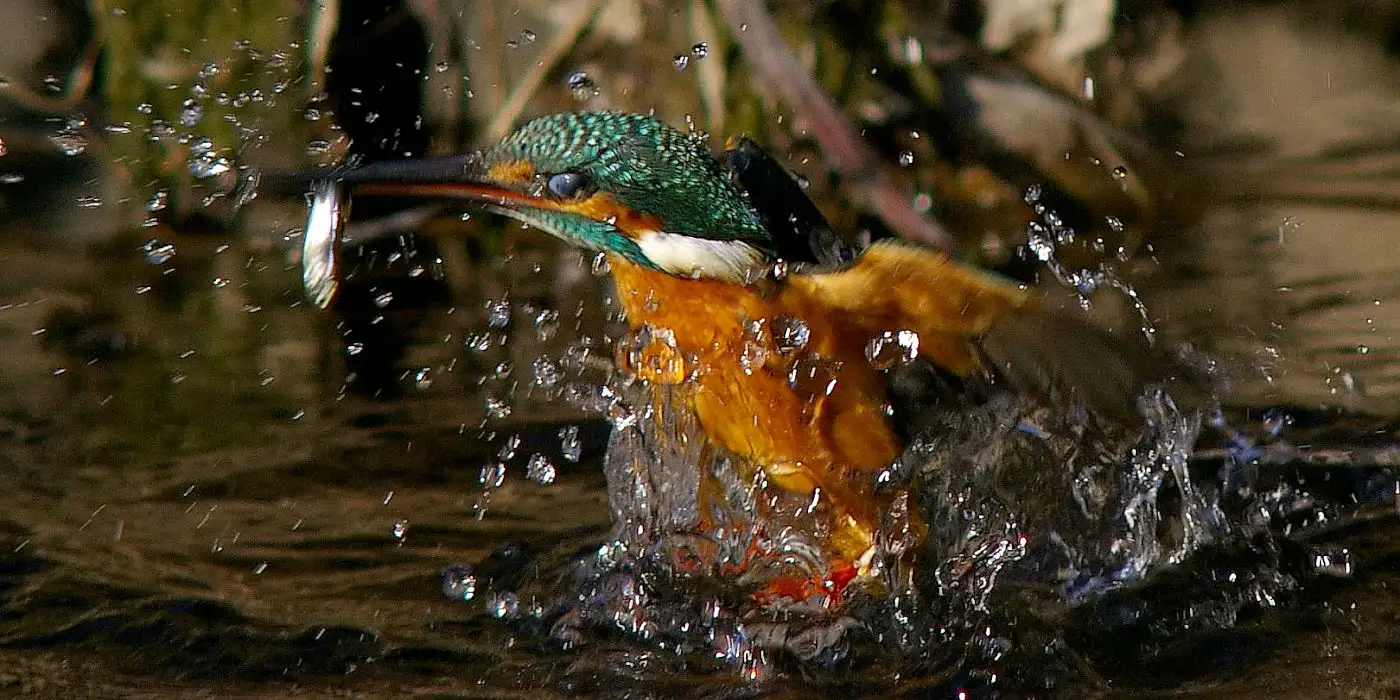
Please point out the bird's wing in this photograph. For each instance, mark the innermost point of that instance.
(969, 320)
(902, 287)
(801, 235)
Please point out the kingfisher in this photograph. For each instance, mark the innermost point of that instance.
(766, 342)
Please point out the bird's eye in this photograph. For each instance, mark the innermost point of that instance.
(567, 185)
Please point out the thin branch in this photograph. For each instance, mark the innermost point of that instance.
(525, 90)
(857, 163)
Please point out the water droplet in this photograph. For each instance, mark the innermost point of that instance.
(569, 444)
(1086, 282)
(498, 313)
(601, 267)
(906, 158)
(205, 162)
(503, 369)
(621, 416)
(478, 342)
(160, 130)
(789, 334)
(1039, 244)
(459, 582)
(1332, 562)
(503, 605)
(1114, 224)
(700, 50)
(1120, 172)
(581, 86)
(423, 378)
(400, 530)
(206, 167)
(892, 348)
(69, 144)
(497, 407)
(681, 61)
(11, 178)
(88, 202)
(913, 51)
(145, 108)
(117, 129)
(540, 470)
(371, 117)
(156, 252)
(753, 356)
(651, 353)
(1033, 194)
(546, 372)
(384, 299)
(813, 375)
(1276, 421)
(354, 349)
(527, 36)
(546, 324)
(492, 475)
(318, 147)
(190, 113)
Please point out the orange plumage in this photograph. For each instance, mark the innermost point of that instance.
(776, 372)
(828, 430)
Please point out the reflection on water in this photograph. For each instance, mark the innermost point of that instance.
(209, 483)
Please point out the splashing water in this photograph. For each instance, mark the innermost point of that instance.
(1016, 494)
(1036, 514)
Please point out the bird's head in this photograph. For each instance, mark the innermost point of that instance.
(626, 184)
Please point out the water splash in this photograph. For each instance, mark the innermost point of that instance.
(1045, 523)
(1046, 236)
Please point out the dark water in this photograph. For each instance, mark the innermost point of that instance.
(208, 487)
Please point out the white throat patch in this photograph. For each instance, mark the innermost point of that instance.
(688, 256)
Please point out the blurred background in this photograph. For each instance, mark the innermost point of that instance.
(207, 483)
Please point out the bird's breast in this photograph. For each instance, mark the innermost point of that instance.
(778, 379)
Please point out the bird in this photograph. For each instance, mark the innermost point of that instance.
(764, 339)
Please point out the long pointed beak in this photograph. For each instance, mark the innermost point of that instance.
(445, 177)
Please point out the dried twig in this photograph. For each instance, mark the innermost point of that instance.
(711, 75)
(560, 45)
(324, 20)
(763, 45)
